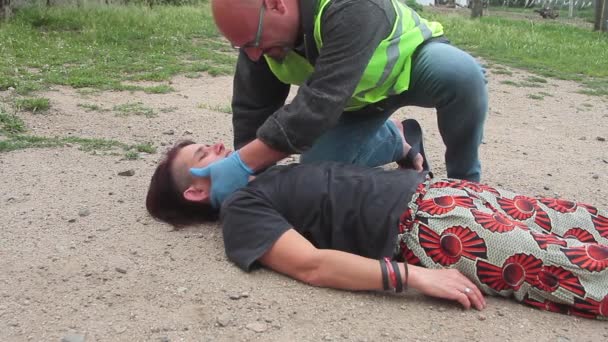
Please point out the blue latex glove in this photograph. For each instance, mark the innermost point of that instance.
(227, 176)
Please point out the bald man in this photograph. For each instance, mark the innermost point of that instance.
(355, 62)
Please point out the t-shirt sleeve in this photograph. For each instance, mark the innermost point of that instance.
(250, 226)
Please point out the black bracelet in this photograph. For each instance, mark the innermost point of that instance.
(384, 275)
(407, 275)
(399, 285)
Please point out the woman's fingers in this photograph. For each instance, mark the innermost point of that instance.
(469, 290)
(448, 284)
(474, 294)
(463, 299)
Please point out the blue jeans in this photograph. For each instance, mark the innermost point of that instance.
(443, 77)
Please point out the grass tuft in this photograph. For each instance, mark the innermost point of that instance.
(134, 108)
(227, 108)
(33, 104)
(10, 124)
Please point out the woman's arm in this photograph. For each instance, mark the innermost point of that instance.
(296, 257)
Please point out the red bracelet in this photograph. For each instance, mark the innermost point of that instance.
(391, 273)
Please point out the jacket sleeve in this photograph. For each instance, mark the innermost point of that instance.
(257, 93)
(351, 31)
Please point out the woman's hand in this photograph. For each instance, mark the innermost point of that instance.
(447, 284)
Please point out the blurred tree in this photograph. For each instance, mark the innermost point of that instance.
(5, 9)
(601, 15)
(476, 8)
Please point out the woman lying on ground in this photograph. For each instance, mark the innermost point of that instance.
(356, 228)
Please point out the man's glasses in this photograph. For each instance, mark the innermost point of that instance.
(258, 35)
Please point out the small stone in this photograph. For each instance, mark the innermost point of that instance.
(84, 212)
(327, 338)
(127, 173)
(500, 313)
(120, 270)
(605, 161)
(187, 133)
(600, 139)
(13, 324)
(562, 339)
(73, 338)
(582, 138)
(257, 327)
(268, 320)
(441, 309)
(482, 317)
(595, 176)
(72, 220)
(245, 295)
(234, 296)
(182, 289)
(224, 320)
(546, 187)
(169, 132)
(120, 329)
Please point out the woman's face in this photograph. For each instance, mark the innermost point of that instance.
(201, 155)
(196, 156)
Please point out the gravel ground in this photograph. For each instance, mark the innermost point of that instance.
(81, 260)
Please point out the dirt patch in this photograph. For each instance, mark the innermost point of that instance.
(79, 255)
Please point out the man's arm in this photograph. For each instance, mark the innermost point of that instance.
(350, 30)
(256, 94)
(296, 257)
(320, 101)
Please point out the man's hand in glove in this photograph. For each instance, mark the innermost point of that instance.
(227, 176)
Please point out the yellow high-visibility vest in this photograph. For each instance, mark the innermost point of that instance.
(388, 71)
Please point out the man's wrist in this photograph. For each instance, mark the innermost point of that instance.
(257, 155)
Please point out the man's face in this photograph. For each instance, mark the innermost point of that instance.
(269, 28)
(197, 156)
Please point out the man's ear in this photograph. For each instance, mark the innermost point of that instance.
(276, 5)
(193, 194)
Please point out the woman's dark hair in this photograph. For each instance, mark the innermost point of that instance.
(165, 201)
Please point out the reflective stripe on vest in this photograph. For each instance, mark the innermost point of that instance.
(389, 69)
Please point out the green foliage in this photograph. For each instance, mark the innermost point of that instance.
(550, 48)
(10, 124)
(227, 108)
(146, 148)
(414, 5)
(536, 96)
(91, 107)
(134, 108)
(104, 46)
(534, 79)
(16, 142)
(131, 155)
(33, 104)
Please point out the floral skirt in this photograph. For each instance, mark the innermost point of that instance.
(546, 252)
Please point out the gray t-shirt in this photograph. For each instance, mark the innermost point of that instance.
(335, 206)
